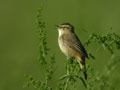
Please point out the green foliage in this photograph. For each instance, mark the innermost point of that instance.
(42, 37)
(42, 54)
(108, 41)
(99, 80)
(96, 81)
(73, 73)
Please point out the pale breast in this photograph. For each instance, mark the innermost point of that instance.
(65, 49)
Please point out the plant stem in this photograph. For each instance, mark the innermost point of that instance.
(67, 83)
(68, 74)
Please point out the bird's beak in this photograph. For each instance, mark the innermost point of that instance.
(57, 26)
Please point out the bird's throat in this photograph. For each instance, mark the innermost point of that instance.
(60, 32)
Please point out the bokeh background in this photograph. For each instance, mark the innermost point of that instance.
(19, 42)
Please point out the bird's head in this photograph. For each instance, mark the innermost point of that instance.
(65, 27)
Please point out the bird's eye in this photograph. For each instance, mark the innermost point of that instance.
(64, 27)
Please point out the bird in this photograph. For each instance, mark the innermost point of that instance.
(71, 45)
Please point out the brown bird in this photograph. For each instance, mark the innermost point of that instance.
(71, 46)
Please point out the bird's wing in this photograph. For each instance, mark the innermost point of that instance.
(71, 40)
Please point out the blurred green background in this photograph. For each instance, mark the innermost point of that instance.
(19, 42)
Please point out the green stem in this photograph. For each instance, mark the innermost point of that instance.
(68, 74)
(67, 83)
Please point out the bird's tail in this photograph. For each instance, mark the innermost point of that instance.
(85, 75)
(83, 67)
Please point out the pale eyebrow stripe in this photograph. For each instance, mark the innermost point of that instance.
(65, 26)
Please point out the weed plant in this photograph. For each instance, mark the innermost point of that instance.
(96, 81)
